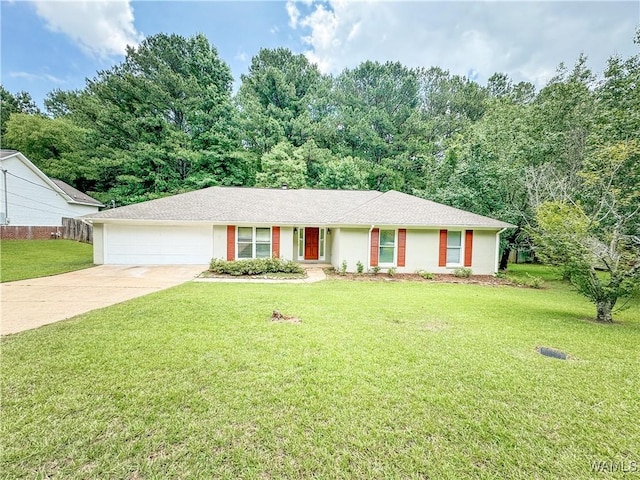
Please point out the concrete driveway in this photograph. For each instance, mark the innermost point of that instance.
(28, 304)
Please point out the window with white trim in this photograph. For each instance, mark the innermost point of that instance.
(387, 247)
(301, 244)
(454, 248)
(254, 242)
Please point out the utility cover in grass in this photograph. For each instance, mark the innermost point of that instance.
(552, 352)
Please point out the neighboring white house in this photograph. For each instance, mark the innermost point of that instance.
(30, 198)
(390, 229)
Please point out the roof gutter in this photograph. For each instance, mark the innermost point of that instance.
(80, 202)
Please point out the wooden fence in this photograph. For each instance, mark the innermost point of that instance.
(74, 229)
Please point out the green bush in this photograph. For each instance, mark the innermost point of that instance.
(359, 267)
(391, 271)
(375, 270)
(256, 266)
(534, 281)
(343, 267)
(426, 275)
(462, 272)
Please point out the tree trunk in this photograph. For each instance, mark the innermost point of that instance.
(604, 308)
(504, 259)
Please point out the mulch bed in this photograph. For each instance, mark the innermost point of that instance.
(412, 277)
(264, 276)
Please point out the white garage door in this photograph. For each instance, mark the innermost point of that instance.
(157, 245)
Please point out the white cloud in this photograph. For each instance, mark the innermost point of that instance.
(526, 40)
(325, 36)
(353, 33)
(99, 27)
(293, 12)
(37, 77)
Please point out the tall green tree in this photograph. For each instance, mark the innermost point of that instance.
(20, 102)
(376, 119)
(346, 173)
(54, 145)
(279, 99)
(162, 121)
(602, 263)
(448, 107)
(614, 143)
(477, 139)
(283, 165)
(592, 228)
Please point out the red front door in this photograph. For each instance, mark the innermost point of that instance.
(311, 243)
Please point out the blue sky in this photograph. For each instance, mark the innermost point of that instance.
(50, 44)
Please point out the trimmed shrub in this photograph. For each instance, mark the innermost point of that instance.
(462, 272)
(343, 267)
(359, 267)
(391, 271)
(426, 275)
(255, 266)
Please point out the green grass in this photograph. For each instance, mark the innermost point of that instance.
(23, 259)
(380, 380)
(523, 272)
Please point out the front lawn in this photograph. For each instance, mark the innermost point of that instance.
(523, 272)
(379, 380)
(22, 259)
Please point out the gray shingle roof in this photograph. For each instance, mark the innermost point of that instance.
(233, 205)
(395, 208)
(76, 194)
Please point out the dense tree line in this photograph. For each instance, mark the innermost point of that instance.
(165, 120)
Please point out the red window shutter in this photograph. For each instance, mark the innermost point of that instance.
(442, 260)
(231, 242)
(275, 242)
(468, 246)
(375, 243)
(402, 246)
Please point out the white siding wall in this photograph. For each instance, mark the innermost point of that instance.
(37, 204)
(220, 242)
(287, 243)
(483, 257)
(422, 250)
(336, 240)
(328, 249)
(161, 244)
(98, 243)
(353, 247)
